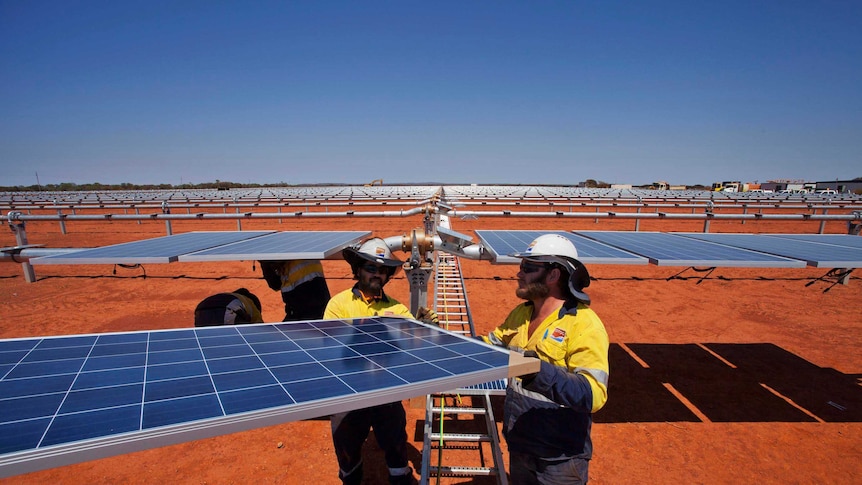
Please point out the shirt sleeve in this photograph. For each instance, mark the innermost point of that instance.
(504, 334)
(334, 310)
(582, 381)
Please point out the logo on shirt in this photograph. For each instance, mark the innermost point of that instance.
(558, 335)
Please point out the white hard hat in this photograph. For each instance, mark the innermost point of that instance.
(374, 250)
(549, 245)
(555, 248)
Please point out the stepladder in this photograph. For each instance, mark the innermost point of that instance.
(461, 435)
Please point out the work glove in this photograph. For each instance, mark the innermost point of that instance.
(427, 315)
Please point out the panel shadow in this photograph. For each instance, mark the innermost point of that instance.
(757, 382)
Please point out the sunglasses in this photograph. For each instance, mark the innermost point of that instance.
(374, 269)
(528, 268)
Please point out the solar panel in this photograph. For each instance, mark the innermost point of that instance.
(836, 239)
(815, 254)
(80, 397)
(286, 245)
(159, 250)
(664, 249)
(502, 243)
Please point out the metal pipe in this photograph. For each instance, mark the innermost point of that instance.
(26, 254)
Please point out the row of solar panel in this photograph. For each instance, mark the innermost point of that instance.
(692, 249)
(594, 247)
(216, 246)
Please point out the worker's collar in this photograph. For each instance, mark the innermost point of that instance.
(569, 307)
(370, 298)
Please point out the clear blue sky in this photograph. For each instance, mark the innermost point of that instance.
(445, 91)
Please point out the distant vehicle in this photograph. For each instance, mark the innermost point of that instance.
(757, 191)
(785, 191)
(729, 189)
(827, 192)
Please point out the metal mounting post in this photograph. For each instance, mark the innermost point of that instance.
(418, 268)
(62, 221)
(418, 279)
(18, 228)
(710, 206)
(166, 209)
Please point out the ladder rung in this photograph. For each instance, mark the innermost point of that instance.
(462, 471)
(460, 437)
(457, 410)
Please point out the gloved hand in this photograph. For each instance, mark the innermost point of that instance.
(427, 315)
(528, 378)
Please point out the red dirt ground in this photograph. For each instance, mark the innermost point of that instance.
(725, 380)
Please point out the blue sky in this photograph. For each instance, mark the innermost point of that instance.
(447, 91)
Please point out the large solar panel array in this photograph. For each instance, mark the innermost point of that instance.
(74, 398)
(814, 254)
(665, 249)
(215, 246)
(503, 243)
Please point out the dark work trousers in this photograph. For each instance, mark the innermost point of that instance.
(531, 470)
(349, 431)
(307, 301)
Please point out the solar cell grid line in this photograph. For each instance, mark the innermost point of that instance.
(816, 255)
(502, 243)
(836, 239)
(165, 249)
(285, 245)
(666, 249)
(74, 398)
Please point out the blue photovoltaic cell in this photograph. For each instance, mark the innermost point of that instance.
(503, 243)
(815, 254)
(159, 250)
(847, 240)
(281, 246)
(666, 249)
(91, 393)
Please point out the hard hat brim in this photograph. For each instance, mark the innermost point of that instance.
(354, 257)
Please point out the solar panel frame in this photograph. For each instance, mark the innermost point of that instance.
(165, 249)
(501, 243)
(669, 249)
(815, 254)
(281, 246)
(97, 395)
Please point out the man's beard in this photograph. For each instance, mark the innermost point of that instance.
(372, 286)
(533, 291)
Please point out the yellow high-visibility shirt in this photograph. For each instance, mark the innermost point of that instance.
(575, 340)
(350, 304)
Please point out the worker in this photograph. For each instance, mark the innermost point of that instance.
(237, 307)
(548, 415)
(302, 285)
(373, 265)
